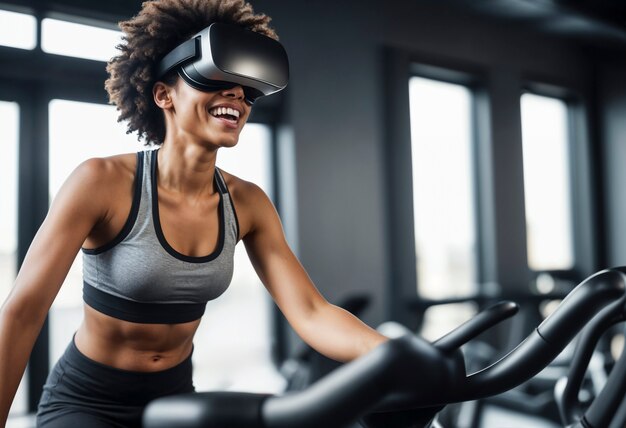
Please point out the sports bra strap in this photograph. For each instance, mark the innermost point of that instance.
(221, 184)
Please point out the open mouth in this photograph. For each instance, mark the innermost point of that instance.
(227, 114)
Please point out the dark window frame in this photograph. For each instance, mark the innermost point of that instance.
(404, 303)
(581, 179)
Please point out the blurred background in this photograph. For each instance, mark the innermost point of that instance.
(428, 157)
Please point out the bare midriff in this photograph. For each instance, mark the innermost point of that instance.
(133, 346)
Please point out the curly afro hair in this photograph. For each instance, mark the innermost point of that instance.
(159, 27)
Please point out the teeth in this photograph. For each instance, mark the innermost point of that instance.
(224, 110)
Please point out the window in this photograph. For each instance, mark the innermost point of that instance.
(546, 183)
(78, 131)
(78, 40)
(443, 198)
(9, 115)
(9, 140)
(18, 30)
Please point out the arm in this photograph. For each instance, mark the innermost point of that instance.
(75, 211)
(329, 329)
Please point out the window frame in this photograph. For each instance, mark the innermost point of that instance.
(9, 94)
(404, 304)
(584, 223)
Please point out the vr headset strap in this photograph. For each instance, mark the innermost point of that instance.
(187, 51)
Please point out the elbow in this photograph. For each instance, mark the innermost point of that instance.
(15, 311)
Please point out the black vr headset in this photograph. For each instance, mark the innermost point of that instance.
(224, 55)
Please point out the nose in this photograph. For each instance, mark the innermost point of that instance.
(235, 92)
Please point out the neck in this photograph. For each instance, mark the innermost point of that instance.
(187, 169)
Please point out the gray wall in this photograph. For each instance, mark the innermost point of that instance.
(335, 106)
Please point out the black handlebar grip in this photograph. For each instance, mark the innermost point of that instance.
(581, 305)
(476, 325)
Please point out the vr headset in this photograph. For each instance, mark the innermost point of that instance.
(224, 55)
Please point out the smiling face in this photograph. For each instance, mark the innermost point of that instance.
(208, 118)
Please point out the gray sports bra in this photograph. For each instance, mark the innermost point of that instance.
(139, 277)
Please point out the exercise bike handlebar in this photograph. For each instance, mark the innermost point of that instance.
(603, 411)
(402, 373)
(579, 307)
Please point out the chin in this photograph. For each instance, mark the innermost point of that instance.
(217, 140)
(229, 145)
(229, 142)
(222, 142)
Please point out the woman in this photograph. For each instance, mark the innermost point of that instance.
(158, 231)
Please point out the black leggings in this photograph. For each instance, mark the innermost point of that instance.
(81, 392)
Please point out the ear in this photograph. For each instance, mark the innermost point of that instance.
(161, 95)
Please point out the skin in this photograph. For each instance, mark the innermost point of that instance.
(91, 209)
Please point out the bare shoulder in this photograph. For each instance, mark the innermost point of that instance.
(112, 169)
(106, 175)
(252, 204)
(96, 182)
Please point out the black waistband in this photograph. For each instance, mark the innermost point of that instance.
(139, 312)
(81, 361)
(105, 384)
